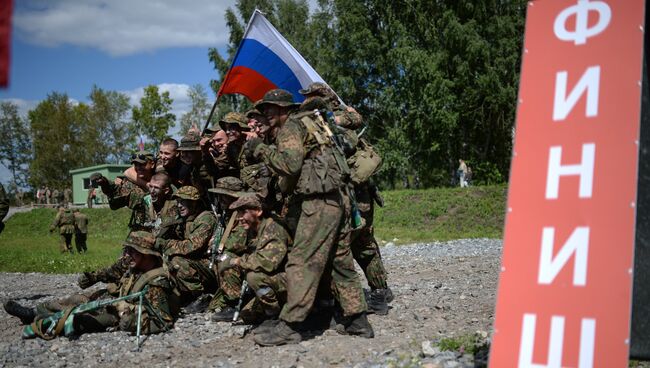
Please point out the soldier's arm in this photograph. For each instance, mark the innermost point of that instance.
(287, 158)
(270, 254)
(196, 241)
(236, 242)
(132, 176)
(4, 203)
(348, 118)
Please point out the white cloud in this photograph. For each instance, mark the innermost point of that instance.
(124, 27)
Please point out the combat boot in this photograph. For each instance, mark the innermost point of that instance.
(87, 279)
(358, 325)
(377, 303)
(283, 333)
(226, 314)
(26, 315)
(265, 327)
(199, 305)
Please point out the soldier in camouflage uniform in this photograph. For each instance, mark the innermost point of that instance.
(188, 256)
(264, 266)
(145, 270)
(312, 175)
(365, 248)
(4, 206)
(64, 220)
(157, 213)
(215, 153)
(80, 231)
(235, 125)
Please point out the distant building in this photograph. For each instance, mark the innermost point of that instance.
(81, 181)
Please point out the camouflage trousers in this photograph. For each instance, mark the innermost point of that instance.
(320, 250)
(65, 243)
(96, 321)
(365, 249)
(193, 277)
(80, 242)
(229, 290)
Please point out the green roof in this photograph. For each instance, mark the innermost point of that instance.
(99, 167)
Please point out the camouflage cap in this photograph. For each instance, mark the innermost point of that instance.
(228, 185)
(190, 142)
(279, 97)
(142, 241)
(141, 157)
(247, 201)
(187, 192)
(251, 113)
(313, 88)
(214, 128)
(235, 118)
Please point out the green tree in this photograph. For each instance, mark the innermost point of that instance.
(153, 117)
(199, 110)
(109, 113)
(15, 150)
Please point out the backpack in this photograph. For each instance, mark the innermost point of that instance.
(364, 163)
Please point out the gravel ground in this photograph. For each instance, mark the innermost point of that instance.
(441, 290)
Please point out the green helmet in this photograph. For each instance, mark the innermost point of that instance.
(142, 241)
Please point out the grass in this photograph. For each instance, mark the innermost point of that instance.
(409, 216)
(26, 244)
(441, 214)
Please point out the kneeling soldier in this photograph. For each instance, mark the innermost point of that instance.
(264, 267)
(145, 271)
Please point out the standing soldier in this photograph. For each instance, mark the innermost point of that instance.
(80, 231)
(311, 173)
(67, 196)
(365, 248)
(48, 195)
(55, 196)
(91, 196)
(4, 206)
(64, 220)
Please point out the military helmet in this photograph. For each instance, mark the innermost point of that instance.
(190, 142)
(141, 157)
(187, 192)
(142, 241)
(279, 97)
(228, 185)
(235, 118)
(247, 201)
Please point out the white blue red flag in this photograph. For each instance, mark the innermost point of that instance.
(264, 61)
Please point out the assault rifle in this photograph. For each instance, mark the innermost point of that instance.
(242, 295)
(63, 322)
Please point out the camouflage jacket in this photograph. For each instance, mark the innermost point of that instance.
(81, 223)
(271, 245)
(197, 232)
(64, 221)
(235, 242)
(161, 295)
(4, 203)
(130, 195)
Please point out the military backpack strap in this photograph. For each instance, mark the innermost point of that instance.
(226, 233)
(146, 278)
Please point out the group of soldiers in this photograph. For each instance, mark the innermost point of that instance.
(45, 195)
(71, 222)
(270, 201)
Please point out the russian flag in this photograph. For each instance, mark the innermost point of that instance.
(264, 61)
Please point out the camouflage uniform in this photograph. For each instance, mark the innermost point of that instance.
(188, 257)
(64, 220)
(199, 176)
(4, 206)
(81, 231)
(264, 267)
(305, 160)
(161, 295)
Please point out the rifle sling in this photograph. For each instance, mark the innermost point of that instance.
(146, 278)
(226, 233)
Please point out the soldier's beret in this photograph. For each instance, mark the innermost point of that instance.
(187, 192)
(247, 201)
(142, 241)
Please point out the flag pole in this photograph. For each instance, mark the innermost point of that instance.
(225, 79)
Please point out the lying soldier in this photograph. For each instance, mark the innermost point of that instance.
(145, 274)
(264, 267)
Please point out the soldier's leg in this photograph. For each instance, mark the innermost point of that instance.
(77, 242)
(68, 242)
(365, 251)
(346, 284)
(229, 289)
(270, 290)
(62, 242)
(315, 236)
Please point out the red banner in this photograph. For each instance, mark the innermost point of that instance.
(5, 40)
(565, 287)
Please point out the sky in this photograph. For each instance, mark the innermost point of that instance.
(68, 46)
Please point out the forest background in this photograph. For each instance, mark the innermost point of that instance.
(435, 81)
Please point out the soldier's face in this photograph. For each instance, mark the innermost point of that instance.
(220, 141)
(144, 171)
(225, 200)
(167, 155)
(190, 157)
(157, 189)
(250, 218)
(233, 131)
(185, 207)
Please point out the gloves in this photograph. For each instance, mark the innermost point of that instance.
(250, 146)
(86, 280)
